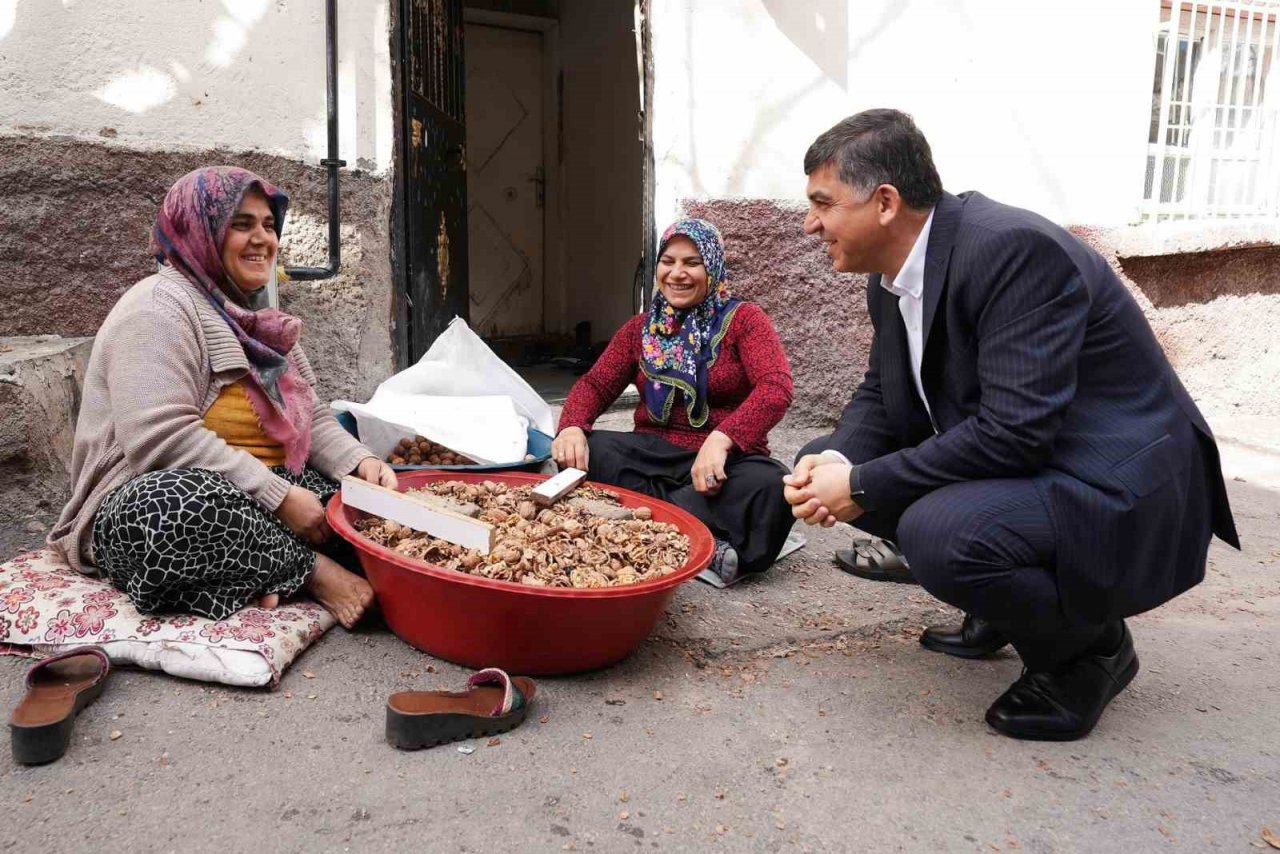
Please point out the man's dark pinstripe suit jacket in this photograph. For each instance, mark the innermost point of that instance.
(1039, 364)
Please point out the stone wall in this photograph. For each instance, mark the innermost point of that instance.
(40, 380)
(1215, 312)
(1184, 278)
(821, 315)
(75, 219)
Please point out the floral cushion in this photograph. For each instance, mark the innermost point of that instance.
(47, 607)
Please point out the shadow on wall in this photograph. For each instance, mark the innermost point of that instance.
(244, 74)
(807, 26)
(820, 28)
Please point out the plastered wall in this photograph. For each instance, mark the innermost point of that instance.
(201, 74)
(1039, 103)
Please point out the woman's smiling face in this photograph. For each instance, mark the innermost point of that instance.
(249, 247)
(682, 276)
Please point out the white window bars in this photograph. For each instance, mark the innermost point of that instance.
(1215, 112)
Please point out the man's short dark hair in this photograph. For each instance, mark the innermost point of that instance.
(878, 147)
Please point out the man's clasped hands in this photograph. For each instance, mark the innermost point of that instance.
(818, 491)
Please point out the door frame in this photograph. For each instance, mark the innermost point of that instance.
(402, 312)
(554, 307)
(399, 192)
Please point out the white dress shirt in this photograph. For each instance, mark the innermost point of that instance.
(908, 286)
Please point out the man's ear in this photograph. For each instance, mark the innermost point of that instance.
(888, 203)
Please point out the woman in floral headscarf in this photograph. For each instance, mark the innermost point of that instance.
(713, 381)
(202, 458)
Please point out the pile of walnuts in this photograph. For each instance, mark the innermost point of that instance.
(565, 545)
(421, 451)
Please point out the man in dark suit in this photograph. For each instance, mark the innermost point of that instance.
(1019, 433)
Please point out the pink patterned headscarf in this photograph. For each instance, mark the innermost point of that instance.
(188, 235)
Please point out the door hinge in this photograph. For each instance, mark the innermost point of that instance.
(539, 181)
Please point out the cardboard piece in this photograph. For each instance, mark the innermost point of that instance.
(419, 514)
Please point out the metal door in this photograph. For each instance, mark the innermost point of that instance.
(434, 186)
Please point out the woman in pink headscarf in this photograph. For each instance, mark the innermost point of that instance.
(202, 458)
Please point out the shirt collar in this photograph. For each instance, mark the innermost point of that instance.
(910, 280)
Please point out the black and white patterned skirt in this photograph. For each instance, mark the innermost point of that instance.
(189, 541)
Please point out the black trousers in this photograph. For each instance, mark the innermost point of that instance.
(749, 512)
(988, 547)
(189, 541)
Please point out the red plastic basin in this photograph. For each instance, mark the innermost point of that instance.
(480, 622)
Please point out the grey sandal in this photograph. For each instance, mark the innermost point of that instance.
(723, 571)
(875, 560)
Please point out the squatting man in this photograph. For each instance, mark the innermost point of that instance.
(1018, 434)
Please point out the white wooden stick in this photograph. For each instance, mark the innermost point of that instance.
(553, 489)
(420, 515)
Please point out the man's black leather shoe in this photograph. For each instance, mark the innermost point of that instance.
(1066, 703)
(973, 638)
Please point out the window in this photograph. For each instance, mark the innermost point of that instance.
(1212, 148)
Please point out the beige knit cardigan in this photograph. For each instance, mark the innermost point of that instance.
(158, 363)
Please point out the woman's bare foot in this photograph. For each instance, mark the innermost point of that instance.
(269, 600)
(343, 594)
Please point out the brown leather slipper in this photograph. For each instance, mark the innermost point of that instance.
(57, 689)
(493, 702)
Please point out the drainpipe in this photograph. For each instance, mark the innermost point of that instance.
(331, 162)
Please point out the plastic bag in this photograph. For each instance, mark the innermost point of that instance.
(459, 394)
(460, 364)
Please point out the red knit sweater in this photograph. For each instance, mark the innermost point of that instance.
(748, 388)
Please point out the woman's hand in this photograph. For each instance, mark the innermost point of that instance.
(570, 448)
(708, 468)
(302, 513)
(376, 471)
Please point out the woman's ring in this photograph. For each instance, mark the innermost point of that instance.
(711, 480)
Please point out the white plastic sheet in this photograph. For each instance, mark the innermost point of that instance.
(487, 429)
(459, 394)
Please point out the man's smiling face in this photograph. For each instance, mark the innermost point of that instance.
(846, 222)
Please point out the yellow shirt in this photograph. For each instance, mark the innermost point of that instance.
(232, 417)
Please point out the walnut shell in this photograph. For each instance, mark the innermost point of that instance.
(570, 546)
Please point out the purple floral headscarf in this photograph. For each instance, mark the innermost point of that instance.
(678, 347)
(188, 235)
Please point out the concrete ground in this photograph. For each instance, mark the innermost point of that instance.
(796, 712)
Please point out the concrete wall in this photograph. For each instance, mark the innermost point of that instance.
(217, 74)
(103, 105)
(1214, 310)
(90, 146)
(1039, 103)
(39, 394)
(74, 221)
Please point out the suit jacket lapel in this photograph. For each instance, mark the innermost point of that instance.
(893, 365)
(942, 237)
(896, 384)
